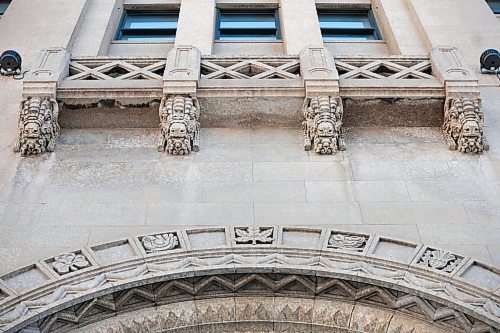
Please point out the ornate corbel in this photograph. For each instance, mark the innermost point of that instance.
(463, 113)
(323, 124)
(38, 126)
(39, 111)
(463, 125)
(179, 125)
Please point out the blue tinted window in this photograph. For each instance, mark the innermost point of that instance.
(247, 24)
(3, 6)
(347, 25)
(148, 25)
(495, 5)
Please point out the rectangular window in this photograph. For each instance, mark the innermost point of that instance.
(148, 25)
(495, 5)
(347, 25)
(3, 6)
(247, 25)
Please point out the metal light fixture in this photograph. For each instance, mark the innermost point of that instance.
(10, 63)
(490, 62)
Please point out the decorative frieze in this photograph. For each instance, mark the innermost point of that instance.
(340, 267)
(38, 126)
(278, 68)
(160, 242)
(390, 68)
(69, 262)
(323, 124)
(439, 260)
(254, 235)
(463, 125)
(179, 126)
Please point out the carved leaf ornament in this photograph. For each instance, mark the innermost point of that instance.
(254, 234)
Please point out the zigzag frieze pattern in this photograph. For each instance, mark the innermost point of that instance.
(279, 259)
(468, 306)
(249, 283)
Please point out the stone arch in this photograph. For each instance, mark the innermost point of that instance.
(278, 279)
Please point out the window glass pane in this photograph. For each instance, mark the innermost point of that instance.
(148, 37)
(3, 6)
(148, 25)
(495, 5)
(150, 22)
(241, 25)
(347, 25)
(344, 21)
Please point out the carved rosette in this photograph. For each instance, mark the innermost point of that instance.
(179, 126)
(323, 124)
(463, 125)
(38, 126)
(69, 262)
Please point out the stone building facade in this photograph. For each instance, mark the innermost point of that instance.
(250, 166)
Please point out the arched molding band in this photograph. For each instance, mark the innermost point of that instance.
(153, 273)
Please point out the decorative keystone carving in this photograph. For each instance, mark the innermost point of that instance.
(69, 262)
(463, 125)
(179, 126)
(347, 242)
(439, 260)
(254, 235)
(162, 242)
(38, 126)
(323, 124)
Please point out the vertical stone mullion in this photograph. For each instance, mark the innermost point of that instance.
(196, 25)
(299, 25)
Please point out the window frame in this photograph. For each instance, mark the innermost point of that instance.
(350, 33)
(7, 4)
(494, 5)
(163, 34)
(249, 11)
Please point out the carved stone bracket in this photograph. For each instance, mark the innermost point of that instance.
(323, 124)
(38, 126)
(179, 126)
(463, 125)
(322, 108)
(179, 110)
(39, 112)
(463, 114)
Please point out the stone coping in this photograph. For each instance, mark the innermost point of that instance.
(33, 293)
